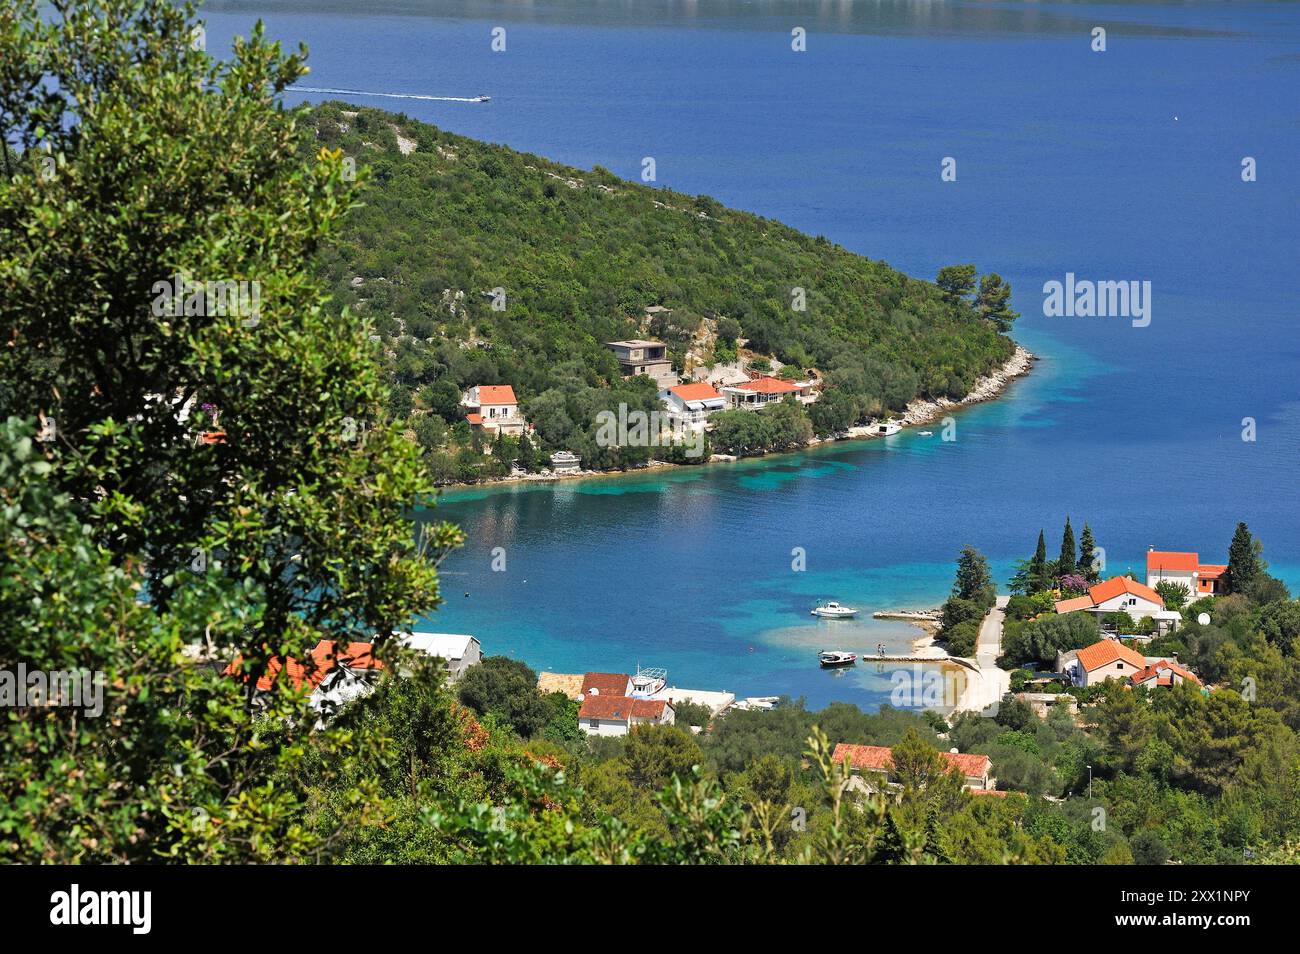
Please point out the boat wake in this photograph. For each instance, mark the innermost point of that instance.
(362, 92)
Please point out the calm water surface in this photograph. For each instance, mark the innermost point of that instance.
(1118, 165)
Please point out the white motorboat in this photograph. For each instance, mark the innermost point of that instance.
(925, 433)
(886, 428)
(836, 657)
(833, 610)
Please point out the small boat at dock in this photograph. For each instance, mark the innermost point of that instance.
(832, 658)
(886, 428)
(833, 610)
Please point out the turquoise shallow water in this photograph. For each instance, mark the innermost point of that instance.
(1123, 165)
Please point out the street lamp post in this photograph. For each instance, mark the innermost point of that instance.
(1089, 783)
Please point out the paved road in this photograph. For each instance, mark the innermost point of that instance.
(993, 682)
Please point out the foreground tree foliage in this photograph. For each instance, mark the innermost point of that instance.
(138, 157)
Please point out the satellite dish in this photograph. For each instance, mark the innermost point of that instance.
(1203, 619)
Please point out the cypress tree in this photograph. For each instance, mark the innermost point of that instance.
(1088, 555)
(1243, 564)
(1068, 563)
(1038, 566)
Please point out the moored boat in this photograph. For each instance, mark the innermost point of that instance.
(648, 681)
(886, 428)
(833, 610)
(836, 657)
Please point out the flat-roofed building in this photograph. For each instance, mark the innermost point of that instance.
(642, 356)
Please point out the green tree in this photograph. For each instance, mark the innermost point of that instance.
(655, 755)
(1243, 561)
(507, 688)
(993, 302)
(1088, 556)
(1279, 623)
(974, 582)
(957, 282)
(1067, 563)
(166, 162)
(1174, 594)
(1039, 574)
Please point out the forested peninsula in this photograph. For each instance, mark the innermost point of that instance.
(474, 264)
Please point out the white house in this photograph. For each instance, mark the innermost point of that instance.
(1201, 579)
(330, 675)
(762, 391)
(494, 408)
(618, 715)
(459, 651)
(689, 405)
(608, 707)
(1119, 594)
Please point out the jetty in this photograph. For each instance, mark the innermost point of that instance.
(970, 664)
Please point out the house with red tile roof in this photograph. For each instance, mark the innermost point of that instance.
(1165, 673)
(1120, 594)
(329, 675)
(606, 684)
(1104, 659)
(608, 706)
(618, 715)
(764, 390)
(494, 408)
(689, 405)
(878, 761)
(1185, 567)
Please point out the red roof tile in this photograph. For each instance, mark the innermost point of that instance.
(496, 394)
(1160, 672)
(1118, 585)
(767, 385)
(605, 683)
(696, 391)
(314, 669)
(617, 708)
(474, 418)
(647, 708)
(881, 758)
(1108, 651)
(1076, 603)
(1170, 561)
(1211, 571)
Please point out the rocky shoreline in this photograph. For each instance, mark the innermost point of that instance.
(918, 412)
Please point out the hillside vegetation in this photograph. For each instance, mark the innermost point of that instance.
(578, 258)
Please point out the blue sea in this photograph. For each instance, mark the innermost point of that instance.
(1121, 165)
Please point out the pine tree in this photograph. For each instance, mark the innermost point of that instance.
(1068, 563)
(1243, 564)
(993, 302)
(974, 582)
(1088, 555)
